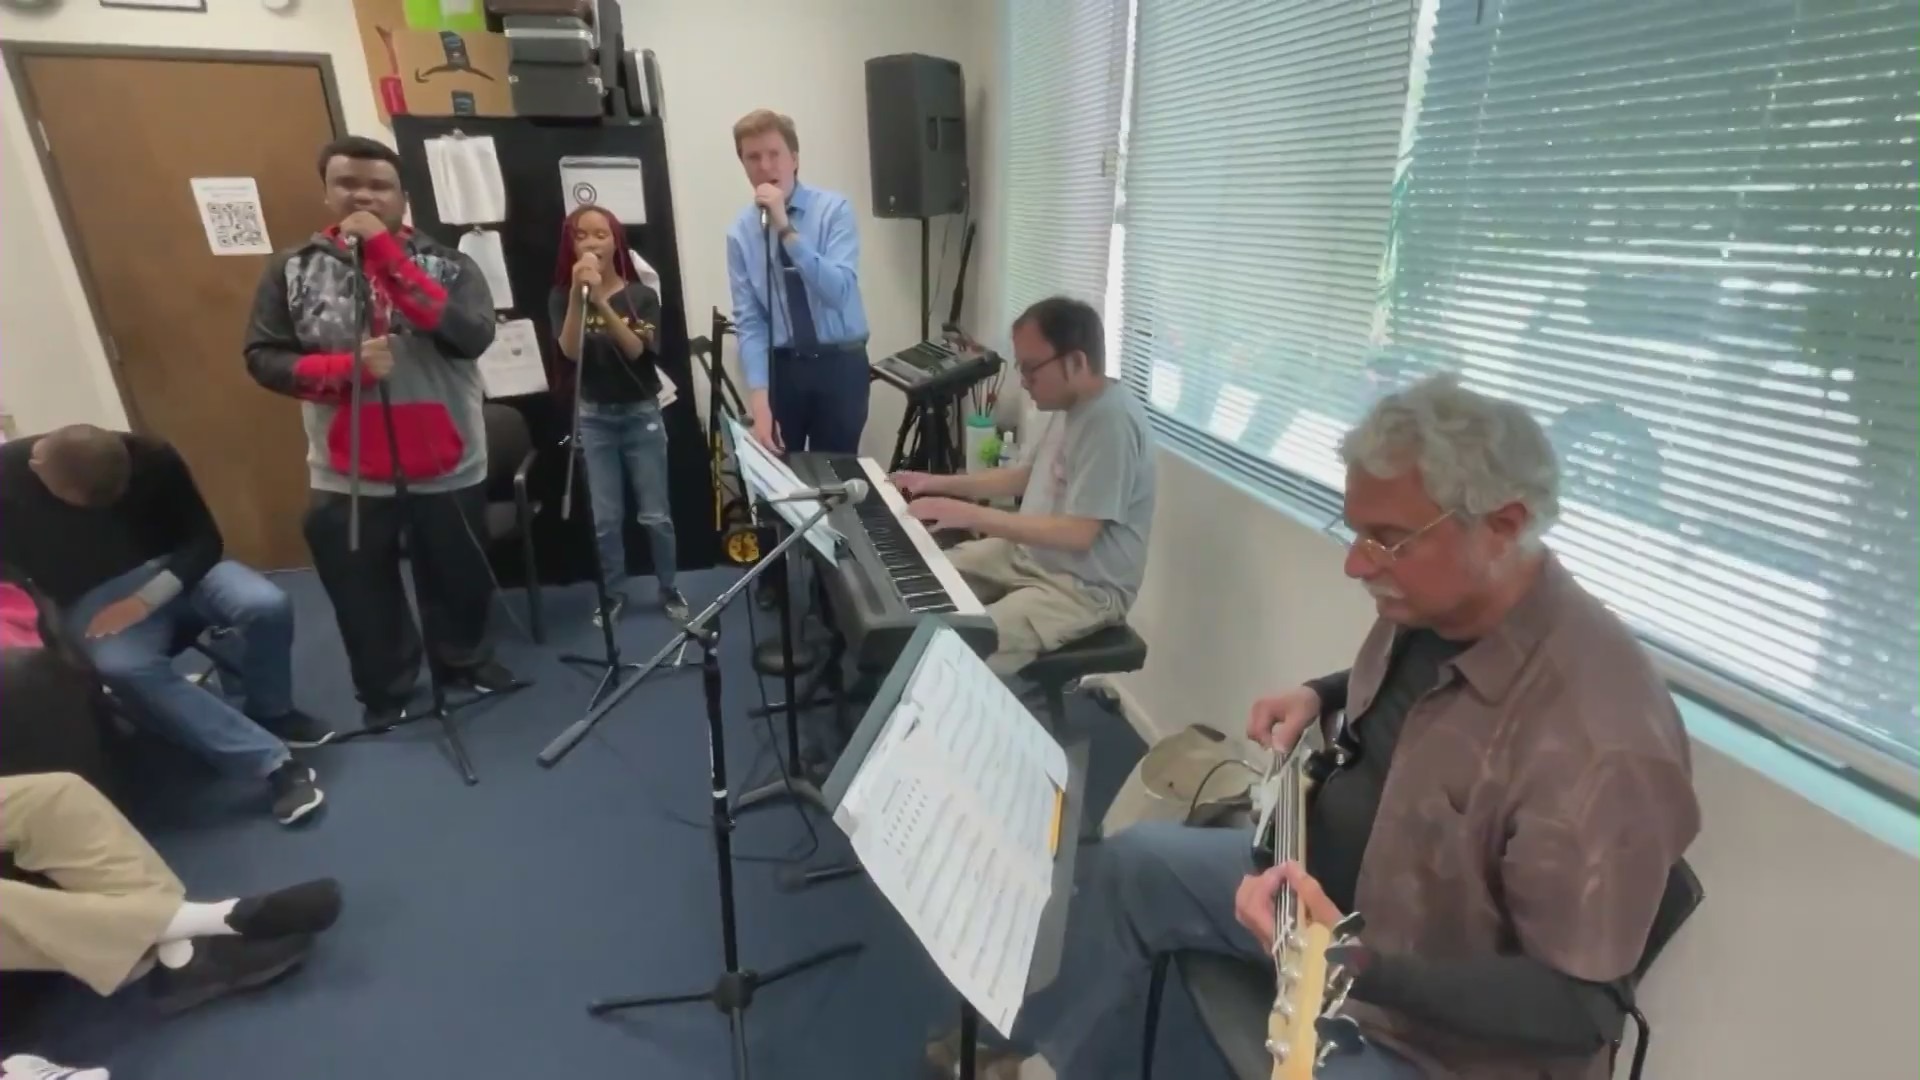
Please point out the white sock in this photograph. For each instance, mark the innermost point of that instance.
(200, 920)
(174, 954)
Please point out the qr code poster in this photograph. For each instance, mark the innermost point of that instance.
(230, 209)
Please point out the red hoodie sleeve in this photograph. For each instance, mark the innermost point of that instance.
(411, 291)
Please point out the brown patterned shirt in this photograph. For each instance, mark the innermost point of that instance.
(1537, 800)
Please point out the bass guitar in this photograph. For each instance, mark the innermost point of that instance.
(1305, 1026)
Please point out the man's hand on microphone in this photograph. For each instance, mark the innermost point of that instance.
(770, 198)
(362, 225)
(376, 357)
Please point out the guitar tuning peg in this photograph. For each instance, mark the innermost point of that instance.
(1336, 1035)
(1352, 925)
(1344, 954)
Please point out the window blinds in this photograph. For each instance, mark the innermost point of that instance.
(1260, 165)
(1067, 67)
(1683, 234)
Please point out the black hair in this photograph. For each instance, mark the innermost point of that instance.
(359, 148)
(1069, 325)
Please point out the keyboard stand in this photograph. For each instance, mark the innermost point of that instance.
(930, 422)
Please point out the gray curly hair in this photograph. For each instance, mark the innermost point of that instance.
(1475, 453)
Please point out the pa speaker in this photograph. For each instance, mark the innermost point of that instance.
(917, 135)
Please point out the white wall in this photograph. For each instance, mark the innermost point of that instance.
(53, 369)
(1805, 958)
(720, 60)
(725, 58)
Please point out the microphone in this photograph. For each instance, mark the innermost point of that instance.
(851, 491)
(763, 217)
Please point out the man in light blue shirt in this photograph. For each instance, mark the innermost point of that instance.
(803, 344)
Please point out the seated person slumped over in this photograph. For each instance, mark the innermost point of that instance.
(1519, 791)
(1071, 559)
(111, 528)
(116, 913)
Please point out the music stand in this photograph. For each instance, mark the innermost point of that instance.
(1050, 935)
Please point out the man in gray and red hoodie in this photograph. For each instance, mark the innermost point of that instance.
(430, 318)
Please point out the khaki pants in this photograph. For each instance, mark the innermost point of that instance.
(1034, 610)
(115, 896)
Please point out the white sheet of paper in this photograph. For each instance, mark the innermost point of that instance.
(483, 247)
(230, 210)
(511, 366)
(767, 477)
(468, 188)
(616, 183)
(951, 815)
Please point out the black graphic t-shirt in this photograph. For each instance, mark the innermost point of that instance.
(607, 377)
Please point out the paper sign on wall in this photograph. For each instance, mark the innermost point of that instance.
(612, 182)
(230, 209)
(511, 366)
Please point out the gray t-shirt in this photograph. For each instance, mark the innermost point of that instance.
(1096, 461)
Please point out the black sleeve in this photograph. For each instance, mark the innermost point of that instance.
(646, 309)
(1515, 1000)
(466, 326)
(176, 499)
(1332, 690)
(272, 348)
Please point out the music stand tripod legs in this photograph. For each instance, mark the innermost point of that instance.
(734, 991)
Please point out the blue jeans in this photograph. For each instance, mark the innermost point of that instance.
(1156, 887)
(135, 663)
(626, 449)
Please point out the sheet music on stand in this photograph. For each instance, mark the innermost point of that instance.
(955, 813)
(767, 477)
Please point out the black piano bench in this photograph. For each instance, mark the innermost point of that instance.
(1110, 650)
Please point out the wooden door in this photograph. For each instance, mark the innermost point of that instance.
(123, 137)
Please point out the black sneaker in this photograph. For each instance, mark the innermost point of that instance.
(383, 716)
(296, 792)
(299, 731)
(226, 965)
(616, 604)
(488, 678)
(306, 908)
(674, 604)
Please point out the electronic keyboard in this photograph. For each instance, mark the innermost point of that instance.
(890, 574)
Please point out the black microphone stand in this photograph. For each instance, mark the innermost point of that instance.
(440, 710)
(734, 992)
(613, 669)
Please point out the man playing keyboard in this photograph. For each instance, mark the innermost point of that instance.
(1070, 560)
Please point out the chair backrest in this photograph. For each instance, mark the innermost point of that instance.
(508, 442)
(1684, 893)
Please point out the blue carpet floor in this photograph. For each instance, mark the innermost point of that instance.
(480, 920)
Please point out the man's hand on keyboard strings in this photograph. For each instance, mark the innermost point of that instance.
(942, 513)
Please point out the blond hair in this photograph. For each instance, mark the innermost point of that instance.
(761, 121)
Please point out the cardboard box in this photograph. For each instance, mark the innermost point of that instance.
(449, 74)
(429, 73)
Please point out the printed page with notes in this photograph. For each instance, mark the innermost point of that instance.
(955, 815)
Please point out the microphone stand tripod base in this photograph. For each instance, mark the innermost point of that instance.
(444, 712)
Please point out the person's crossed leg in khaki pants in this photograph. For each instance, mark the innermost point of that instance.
(114, 908)
(1034, 610)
